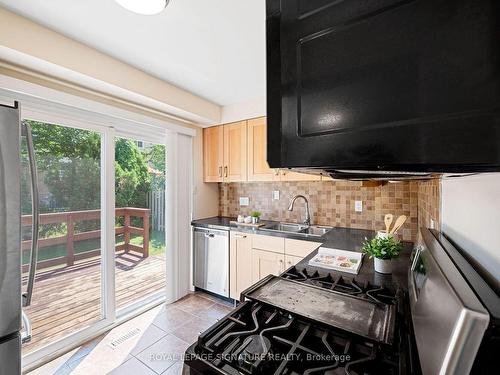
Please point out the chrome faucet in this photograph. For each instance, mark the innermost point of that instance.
(307, 221)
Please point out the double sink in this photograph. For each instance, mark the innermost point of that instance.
(300, 229)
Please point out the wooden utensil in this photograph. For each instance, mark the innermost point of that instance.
(398, 224)
(388, 221)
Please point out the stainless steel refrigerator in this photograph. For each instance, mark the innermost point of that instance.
(14, 324)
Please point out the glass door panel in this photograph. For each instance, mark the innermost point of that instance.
(140, 270)
(67, 291)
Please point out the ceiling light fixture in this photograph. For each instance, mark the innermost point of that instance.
(146, 7)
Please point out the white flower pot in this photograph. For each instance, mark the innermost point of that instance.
(382, 265)
(383, 234)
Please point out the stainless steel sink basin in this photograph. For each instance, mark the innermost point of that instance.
(314, 230)
(286, 227)
(300, 229)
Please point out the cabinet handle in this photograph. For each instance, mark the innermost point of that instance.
(240, 236)
(220, 171)
(276, 171)
(225, 171)
(282, 267)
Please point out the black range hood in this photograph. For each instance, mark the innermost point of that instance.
(384, 89)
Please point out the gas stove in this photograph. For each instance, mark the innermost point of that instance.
(260, 339)
(308, 321)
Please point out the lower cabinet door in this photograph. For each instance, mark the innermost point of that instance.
(291, 260)
(265, 263)
(240, 260)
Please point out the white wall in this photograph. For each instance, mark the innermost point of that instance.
(471, 218)
(206, 195)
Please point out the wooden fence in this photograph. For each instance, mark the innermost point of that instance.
(70, 218)
(157, 204)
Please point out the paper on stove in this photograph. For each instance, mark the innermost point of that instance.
(340, 260)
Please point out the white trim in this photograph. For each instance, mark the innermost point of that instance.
(39, 96)
(171, 224)
(179, 188)
(108, 222)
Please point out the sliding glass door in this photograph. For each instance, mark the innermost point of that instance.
(67, 293)
(140, 222)
(102, 240)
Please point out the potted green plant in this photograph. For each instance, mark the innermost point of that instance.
(255, 216)
(383, 250)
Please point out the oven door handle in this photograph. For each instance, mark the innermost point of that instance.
(26, 130)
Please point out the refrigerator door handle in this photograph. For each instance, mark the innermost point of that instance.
(26, 129)
(26, 331)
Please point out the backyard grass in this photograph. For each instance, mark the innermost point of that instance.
(156, 246)
(156, 241)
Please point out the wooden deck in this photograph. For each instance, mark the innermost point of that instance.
(68, 298)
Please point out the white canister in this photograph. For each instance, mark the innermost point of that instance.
(248, 219)
(382, 265)
(383, 234)
(240, 219)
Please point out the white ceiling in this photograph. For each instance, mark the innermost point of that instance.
(212, 48)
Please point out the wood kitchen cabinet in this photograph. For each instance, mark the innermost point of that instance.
(258, 168)
(235, 152)
(213, 153)
(254, 256)
(240, 259)
(265, 263)
(291, 260)
(225, 152)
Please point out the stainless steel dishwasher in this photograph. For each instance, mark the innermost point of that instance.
(211, 260)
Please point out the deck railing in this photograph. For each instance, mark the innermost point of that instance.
(70, 218)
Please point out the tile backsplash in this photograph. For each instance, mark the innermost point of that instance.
(331, 203)
(429, 203)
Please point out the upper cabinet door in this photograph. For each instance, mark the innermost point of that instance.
(213, 153)
(384, 85)
(235, 152)
(258, 168)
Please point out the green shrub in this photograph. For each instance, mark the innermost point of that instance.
(255, 214)
(382, 248)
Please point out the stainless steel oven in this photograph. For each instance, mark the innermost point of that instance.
(211, 260)
(448, 318)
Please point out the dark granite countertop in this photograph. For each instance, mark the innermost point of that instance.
(338, 238)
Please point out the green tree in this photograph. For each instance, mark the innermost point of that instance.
(69, 167)
(132, 178)
(156, 159)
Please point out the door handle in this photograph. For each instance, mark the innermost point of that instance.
(220, 171)
(26, 130)
(209, 235)
(225, 171)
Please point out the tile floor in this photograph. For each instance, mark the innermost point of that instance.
(156, 341)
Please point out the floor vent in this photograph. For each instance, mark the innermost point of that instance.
(120, 340)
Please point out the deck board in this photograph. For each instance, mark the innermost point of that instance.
(67, 299)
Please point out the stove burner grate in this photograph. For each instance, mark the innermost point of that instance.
(260, 339)
(341, 284)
